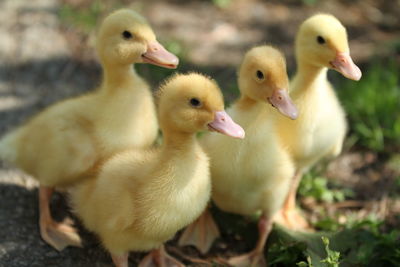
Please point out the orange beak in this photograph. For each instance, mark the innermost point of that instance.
(157, 55)
(344, 64)
(281, 100)
(224, 124)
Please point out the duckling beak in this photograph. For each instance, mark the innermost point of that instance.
(157, 55)
(345, 65)
(281, 100)
(224, 124)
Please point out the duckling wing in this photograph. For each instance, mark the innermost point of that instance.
(55, 146)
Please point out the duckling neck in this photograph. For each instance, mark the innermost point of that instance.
(246, 104)
(178, 142)
(307, 75)
(117, 76)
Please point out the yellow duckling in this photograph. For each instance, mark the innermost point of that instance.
(321, 43)
(254, 174)
(65, 140)
(138, 199)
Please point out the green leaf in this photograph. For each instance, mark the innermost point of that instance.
(373, 107)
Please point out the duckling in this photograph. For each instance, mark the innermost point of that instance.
(254, 174)
(66, 139)
(141, 197)
(321, 44)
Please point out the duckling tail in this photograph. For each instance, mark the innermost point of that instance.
(8, 147)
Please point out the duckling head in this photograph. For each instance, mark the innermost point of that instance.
(262, 77)
(125, 38)
(193, 102)
(322, 41)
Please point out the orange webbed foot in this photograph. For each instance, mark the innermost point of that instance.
(292, 219)
(201, 233)
(160, 258)
(59, 235)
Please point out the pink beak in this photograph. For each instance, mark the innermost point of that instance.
(156, 54)
(224, 124)
(345, 65)
(281, 100)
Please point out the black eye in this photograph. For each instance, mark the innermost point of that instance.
(260, 75)
(195, 102)
(127, 35)
(320, 40)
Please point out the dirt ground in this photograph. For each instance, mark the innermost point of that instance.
(44, 61)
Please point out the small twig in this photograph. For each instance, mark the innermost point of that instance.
(383, 204)
(350, 204)
(207, 262)
(186, 257)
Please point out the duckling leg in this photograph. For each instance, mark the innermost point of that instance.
(58, 235)
(159, 257)
(289, 216)
(201, 233)
(256, 257)
(120, 260)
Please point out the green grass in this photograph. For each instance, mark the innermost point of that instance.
(332, 257)
(222, 3)
(360, 245)
(86, 16)
(314, 185)
(84, 19)
(309, 2)
(373, 107)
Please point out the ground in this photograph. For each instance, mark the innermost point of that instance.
(45, 59)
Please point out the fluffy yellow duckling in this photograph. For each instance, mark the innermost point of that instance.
(254, 174)
(140, 198)
(321, 43)
(66, 139)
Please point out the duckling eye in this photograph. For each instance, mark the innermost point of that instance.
(260, 75)
(320, 40)
(127, 35)
(194, 102)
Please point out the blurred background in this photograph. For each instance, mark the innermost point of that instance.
(47, 54)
